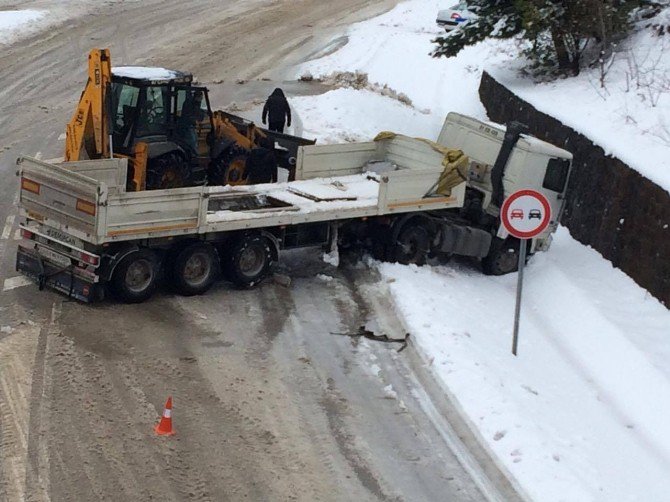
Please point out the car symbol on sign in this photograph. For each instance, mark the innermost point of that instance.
(535, 213)
(517, 213)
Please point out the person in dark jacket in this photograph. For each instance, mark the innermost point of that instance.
(277, 111)
(191, 114)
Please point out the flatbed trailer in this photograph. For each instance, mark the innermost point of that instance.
(403, 198)
(82, 231)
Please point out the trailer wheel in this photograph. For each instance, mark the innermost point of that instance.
(249, 261)
(195, 269)
(503, 258)
(412, 244)
(136, 276)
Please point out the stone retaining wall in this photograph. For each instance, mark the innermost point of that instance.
(610, 206)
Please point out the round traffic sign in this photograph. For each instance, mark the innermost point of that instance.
(525, 214)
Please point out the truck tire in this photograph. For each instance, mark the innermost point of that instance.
(248, 261)
(195, 268)
(412, 244)
(503, 258)
(136, 276)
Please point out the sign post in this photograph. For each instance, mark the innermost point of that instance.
(519, 287)
(525, 214)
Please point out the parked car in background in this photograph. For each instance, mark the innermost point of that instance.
(454, 16)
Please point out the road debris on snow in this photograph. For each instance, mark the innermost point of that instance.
(370, 335)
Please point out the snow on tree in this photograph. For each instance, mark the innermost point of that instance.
(558, 31)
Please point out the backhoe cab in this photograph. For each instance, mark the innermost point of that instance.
(166, 128)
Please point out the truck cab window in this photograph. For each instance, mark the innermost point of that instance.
(557, 175)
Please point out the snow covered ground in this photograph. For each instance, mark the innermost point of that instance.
(393, 49)
(13, 22)
(581, 413)
(39, 15)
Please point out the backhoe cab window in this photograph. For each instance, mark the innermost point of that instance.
(191, 109)
(124, 106)
(189, 100)
(154, 111)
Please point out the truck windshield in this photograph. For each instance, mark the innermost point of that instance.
(124, 108)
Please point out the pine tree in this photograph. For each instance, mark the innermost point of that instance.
(559, 31)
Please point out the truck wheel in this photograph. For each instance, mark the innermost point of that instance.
(249, 261)
(412, 245)
(195, 269)
(135, 277)
(230, 168)
(167, 171)
(503, 258)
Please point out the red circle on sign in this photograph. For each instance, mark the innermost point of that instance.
(508, 222)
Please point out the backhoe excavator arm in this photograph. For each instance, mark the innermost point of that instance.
(87, 134)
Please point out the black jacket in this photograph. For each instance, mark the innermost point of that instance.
(277, 107)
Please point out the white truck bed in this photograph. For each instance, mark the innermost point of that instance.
(88, 200)
(358, 192)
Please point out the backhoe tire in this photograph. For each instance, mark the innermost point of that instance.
(135, 278)
(412, 245)
(249, 261)
(230, 168)
(195, 268)
(167, 171)
(503, 257)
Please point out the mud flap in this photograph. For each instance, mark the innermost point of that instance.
(464, 241)
(46, 274)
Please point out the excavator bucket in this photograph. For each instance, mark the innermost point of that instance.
(288, 143)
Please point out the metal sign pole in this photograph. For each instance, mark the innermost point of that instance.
(519, 287)
(524, 205)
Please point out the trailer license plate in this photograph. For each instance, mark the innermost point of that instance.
(57, 258)
(63, 237)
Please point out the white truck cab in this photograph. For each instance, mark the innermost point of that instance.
(530, 163)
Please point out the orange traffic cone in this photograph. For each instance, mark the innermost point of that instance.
(164, 427)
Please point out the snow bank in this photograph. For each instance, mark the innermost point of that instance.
(329, 117)
(17, 24)
(13, 21)
(393, 49)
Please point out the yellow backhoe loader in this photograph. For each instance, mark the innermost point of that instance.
(165, 126)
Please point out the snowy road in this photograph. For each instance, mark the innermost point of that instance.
(268, 404)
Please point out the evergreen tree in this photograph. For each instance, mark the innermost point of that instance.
(558, 30)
